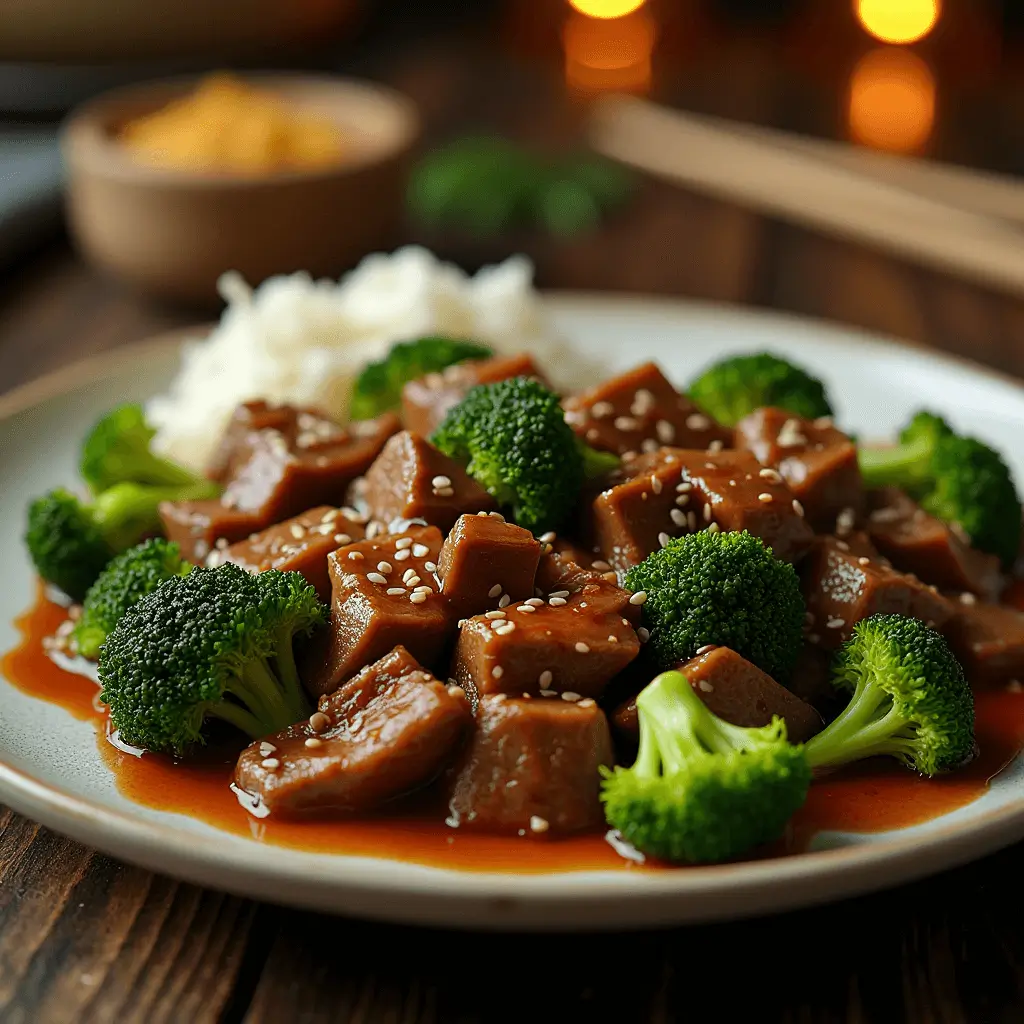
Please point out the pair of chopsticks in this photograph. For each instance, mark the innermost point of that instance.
(948, 218)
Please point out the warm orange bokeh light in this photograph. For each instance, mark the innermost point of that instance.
(892, 101)
(604, 56)
(607, 8)
(899, 21)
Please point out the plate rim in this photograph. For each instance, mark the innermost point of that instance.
(342, 883)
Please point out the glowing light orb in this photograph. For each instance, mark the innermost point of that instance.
(892, 100)
(898, 21)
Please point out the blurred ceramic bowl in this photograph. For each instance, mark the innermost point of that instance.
(172, 233)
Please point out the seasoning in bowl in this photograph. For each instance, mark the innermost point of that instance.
(228, 126)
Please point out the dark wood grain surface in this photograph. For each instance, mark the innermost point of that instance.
(85, 938)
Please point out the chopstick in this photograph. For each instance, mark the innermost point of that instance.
(785, 181)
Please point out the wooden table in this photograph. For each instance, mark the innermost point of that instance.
(85, 938)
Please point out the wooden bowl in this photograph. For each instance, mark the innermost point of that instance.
(172, 233)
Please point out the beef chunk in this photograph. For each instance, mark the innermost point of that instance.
(739, 693)
(575, 641)
(383, 593)
(426, 402)
(411, 479)
(279, 473)
(988, 640)
(301, 544)
(818, 462)
(673, 491)
(842, 588)
(248, 418)
(388, 731)
(532, 767)
(487, 563)
(918, 543)
(640, 411)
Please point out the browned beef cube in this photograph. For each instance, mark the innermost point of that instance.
(248, 418)
(425, 402)
(566, 550)
(918, 543)
(301, 544)
(283, 473)
(671, 492)
(532, 768)
(385, 733)
(841, 588)
(487, 563)
(640, 411)
(384, 593)
(574, 641)
(411, 479)
(559, 576)
(739, 693)
(818, 462)
(988, 640)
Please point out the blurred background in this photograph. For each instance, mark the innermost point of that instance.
(495, 158)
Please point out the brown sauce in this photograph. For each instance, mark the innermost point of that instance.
(868, 797)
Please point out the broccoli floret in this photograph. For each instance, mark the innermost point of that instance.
(513, 440)
(216, 643)
(127, 579)
(735, 387)
(957, 479)
(71, 542)
(378, 389)
(725, 589)
(117, 449)
(910, 699)
(701, 789)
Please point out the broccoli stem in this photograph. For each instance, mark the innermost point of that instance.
(237, 716)
(261, 692)
(899, 466)
(288, 674)
(673, 715)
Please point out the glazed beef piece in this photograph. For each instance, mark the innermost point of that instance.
(532, 767)
(818, 462)
(249, 417)
(640, 411)
(918, 543)
(425, 402)
(737, 692)
(655, 497)
(389, 731)
(383, 593)
(279, 472)
(988, 641)
(842, 587)
(411, 479)
(573, 640)
(301, 544)
(487, 563)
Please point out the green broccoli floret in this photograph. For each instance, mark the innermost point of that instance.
(955, 478)
(217, 643)
(735, 387)
(701, 789)
(117, 450)
(725, 589)
(513, 440)
(910, 699)
(70, 542)
(127, 579)
(378, 389)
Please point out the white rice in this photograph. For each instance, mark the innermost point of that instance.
(301, 341)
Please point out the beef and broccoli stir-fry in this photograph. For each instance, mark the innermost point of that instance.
(632, 607)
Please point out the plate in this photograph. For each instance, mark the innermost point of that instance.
(50, 769)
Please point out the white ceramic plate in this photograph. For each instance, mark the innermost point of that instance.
(50, 769)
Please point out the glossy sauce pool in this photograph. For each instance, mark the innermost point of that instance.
(869, 797)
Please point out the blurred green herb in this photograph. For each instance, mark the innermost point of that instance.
(486, 185)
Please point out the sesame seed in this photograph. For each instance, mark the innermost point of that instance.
(706, 686)
(684, 486)
(836, 623)
(691, 519)
(538, 824)
(665, 431)
(678, 516)
(695, 421)
(771, 476)
(797, 507)
(497, 672)
(599, 566)
(271, 763)
(430, 566)
(599, 410)
(863, 560)
(682, 500)
(968, 598)
(639, 597)
(441, 481)
(713, 528)
(402, 543)
(384, 567)
(612, 638)
(655, 485)
(526, 609)
(625, 423)
(407, 575)
(503, 628)
(707, 512)
(571, 696)
(313, 741)
(342, 538)
(841, 545)
(663, 539)
(644, 634)
(582, 648)
(495, 590)
(420, 550)
(266, 749)
(375, 577)
(545, 678)
(319, 722)
(355, 555)
(559, 593)
(395, 591)
(715, 447)
(504, 601)
(587, 702)
(547, 538)
(556, 602)
(494, 615)
(765, 497)
(402, 555)
(418, 597)
(537, 602)
(443, 492)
